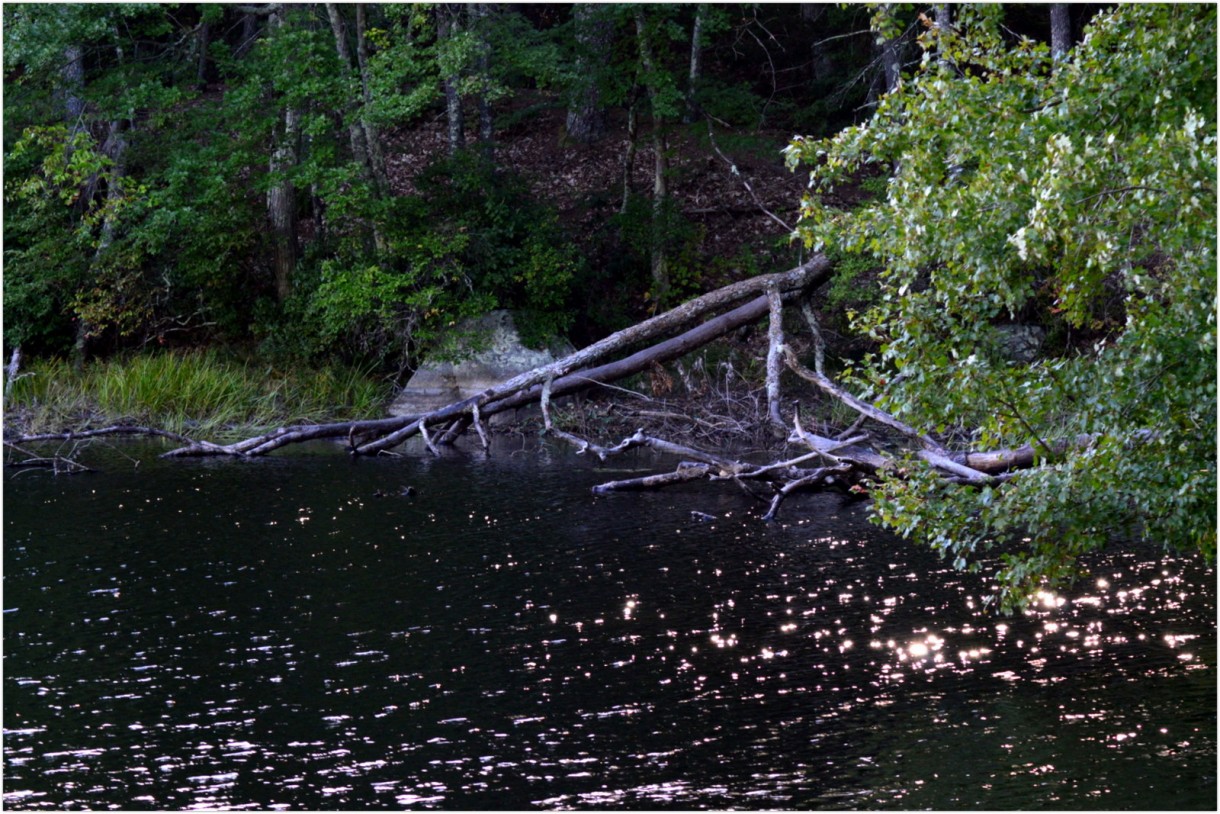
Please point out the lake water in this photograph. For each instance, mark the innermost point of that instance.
(273, 634)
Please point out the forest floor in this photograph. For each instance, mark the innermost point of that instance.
(585, 183)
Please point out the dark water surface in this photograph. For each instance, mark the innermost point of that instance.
(271, 634)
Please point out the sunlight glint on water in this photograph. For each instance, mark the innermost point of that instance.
(275, 636)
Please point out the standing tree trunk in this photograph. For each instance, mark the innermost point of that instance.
(943, 20)
(355, 130)
(71, 95)
(73, 77)
(372, 135)
(482, 13)
(891, 56)
(281, 194)
(1061, 31)
(943, 15)
(586, 118)
(660, 194)
(660, 191)
(448, 24)
(281, 205)
(202, 38)
(888, 52)
(73, 74)
(115, 148)
(10, 373)
(362, 133)
(693, 112)
(633, 124)
(249, 32)
(812, 12)
(775, 345)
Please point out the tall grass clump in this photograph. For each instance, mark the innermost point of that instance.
(194, 392)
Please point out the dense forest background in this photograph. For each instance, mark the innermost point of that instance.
(326, 181)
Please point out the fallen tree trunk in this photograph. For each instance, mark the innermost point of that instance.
(641, 360)
(847, 464)
(567, 375)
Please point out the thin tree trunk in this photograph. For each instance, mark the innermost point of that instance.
(891, 62)
(201, 66)
(696, 65)
(71, 95)
(943, 20)
(481, 14)
(355, 130)
(73, 74)
(660, 191)
(361, 134)
(943, 15)
(281, 195)
(633, 123)
(1061, 31)
(115, 147)
(281, 206)
(775, 345)
(447, 25)
(249, 34)
(891, 57)
(372, 133)
(660, 195)
(10, 373)
(812, 12)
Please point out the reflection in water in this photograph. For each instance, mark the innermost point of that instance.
(271, 636)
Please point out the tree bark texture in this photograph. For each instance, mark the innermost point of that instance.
(775, 345)
(585, 122)
(448, 24)
(115, 148)
(693, 113)
(281, 195)
(355, 130)
(1061, 31)
(483, 13)
(372, 135)
(633, 122)
(660, 189)
(202, 39)
(73, 75)
(891, 57)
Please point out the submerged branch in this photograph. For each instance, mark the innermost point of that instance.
(116, 429)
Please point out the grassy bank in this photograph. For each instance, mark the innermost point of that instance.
(205, 394)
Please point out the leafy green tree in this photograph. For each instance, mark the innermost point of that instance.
(69, 247)
(1081, 199)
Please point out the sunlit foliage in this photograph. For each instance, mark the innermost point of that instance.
(1078, 196)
